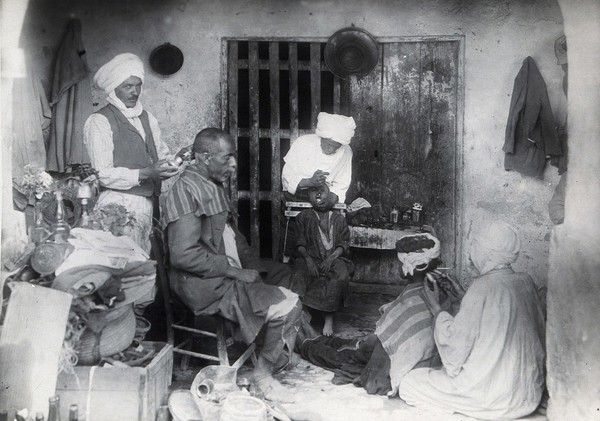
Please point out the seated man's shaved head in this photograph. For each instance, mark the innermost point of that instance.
(208, 140)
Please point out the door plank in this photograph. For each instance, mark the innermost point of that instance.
(365, 106)
(275, 147)
(442, 75)
(232, 96)
(315, 82)
(293, 72)
(254, 143)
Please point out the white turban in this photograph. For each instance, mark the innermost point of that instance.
(419, 259)
(118, 70)
(338, 128)
(495, 243)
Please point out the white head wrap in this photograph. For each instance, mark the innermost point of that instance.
(495, 243)
(119, 69)
(335, 127)
(410, 261)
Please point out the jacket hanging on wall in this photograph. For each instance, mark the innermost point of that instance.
(71, 102)
(530, 132)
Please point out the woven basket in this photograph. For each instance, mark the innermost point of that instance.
(116, 336)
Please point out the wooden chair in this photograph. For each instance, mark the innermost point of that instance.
(186, 321)
(292, 209)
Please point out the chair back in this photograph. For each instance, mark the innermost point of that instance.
(158, 254)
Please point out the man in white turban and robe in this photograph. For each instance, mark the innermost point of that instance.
(318, 159)
(125, 146)
(321, 158)
(493, 349)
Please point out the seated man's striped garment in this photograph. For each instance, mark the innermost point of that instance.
(405, 330)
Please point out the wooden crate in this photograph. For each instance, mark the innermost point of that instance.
(124, 394)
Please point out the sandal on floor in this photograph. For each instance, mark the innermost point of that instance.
(271, 390)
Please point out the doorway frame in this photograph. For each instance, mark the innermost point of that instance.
(460, 235)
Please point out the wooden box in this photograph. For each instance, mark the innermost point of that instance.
(124, 394)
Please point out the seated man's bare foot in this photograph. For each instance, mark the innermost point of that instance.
(328, 326)
(271, 390)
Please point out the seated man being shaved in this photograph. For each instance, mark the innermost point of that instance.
(212, 268)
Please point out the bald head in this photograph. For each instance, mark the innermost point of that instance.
(214, 149)
(209, 140)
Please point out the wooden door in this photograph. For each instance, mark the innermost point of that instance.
(406, 147)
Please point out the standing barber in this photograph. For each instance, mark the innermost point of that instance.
(125, 146)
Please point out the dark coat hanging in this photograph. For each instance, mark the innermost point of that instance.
(71, 102)
(530, 132)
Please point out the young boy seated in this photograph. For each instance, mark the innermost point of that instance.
(322, 272)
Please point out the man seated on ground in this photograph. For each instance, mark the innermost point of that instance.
(493, 349)
(322, 272)
(212, 269)
(403, 337)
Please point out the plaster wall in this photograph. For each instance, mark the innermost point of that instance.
(498, 36)
(573, 332)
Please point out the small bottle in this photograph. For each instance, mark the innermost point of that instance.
(60, 229)
(73, 413)
(39, 233)
(394, 215)
(54, 408)
(84, 221)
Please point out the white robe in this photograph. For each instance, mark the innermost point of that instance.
(492, 351)
(305, 157)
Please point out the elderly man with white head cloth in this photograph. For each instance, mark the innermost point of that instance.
(125, 146)
(321, 158)
(493, 349)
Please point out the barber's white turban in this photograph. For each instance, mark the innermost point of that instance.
(495, 243)
(335, 127)
(118, 70)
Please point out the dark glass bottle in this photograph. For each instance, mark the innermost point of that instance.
(73, 413)
(60, 229)
(54, 408)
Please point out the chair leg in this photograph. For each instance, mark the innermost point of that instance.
(222, 342)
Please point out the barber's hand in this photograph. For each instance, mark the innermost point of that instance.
(449, 284)
(244, 275)
(160, 169)
(313, 270)
(318, 178)
(431, 298)
(185, 153)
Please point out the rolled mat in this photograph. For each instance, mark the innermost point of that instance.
(116, 336)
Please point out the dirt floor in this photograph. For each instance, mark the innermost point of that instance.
(318, 399)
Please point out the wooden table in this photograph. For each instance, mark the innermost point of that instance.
(379, 238)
